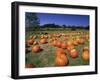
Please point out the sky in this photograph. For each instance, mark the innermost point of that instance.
(63, 19)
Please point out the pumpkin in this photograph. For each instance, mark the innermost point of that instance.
(78, 40)
(69, 43)
(58, 44)
(54, 43)
(30, 41)
(61, 60)
(59, 51)
(73, 53)
(36, 48)
(85, 56)
(64, 45)
(81, 41)
(43, 41)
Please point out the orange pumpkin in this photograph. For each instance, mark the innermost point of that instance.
(73, 53)
(69, 43)
(61, 60)
(54, 43)
(85, 56)
(78, 40)
(59, 51)
(36, 48)
(43, 41)
(64, 45)
(81, 41)
(30, 42)
(58, 44)
(64, 57)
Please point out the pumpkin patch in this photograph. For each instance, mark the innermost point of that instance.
(57, 49)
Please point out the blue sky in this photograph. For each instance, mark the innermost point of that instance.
(63, 19)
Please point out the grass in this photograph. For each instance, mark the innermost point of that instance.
(46, 57)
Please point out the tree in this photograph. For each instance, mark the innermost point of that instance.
(64, 26)
(31, 20)
(51, 26)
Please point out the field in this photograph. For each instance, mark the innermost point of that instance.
(57, 48)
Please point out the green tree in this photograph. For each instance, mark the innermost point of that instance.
(31, 20)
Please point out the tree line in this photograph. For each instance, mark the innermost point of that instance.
(32, 22)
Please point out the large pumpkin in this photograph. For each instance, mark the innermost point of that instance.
(59, 51)
(61, 60)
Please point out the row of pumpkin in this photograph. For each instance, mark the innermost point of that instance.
(55, 40)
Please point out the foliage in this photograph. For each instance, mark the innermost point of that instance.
(31, 20)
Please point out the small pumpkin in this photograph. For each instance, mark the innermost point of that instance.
(43, 41)
(74, 53)
(64, 45)
(36, 48)
(30, 42)
(58, 44)
(85, 56)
